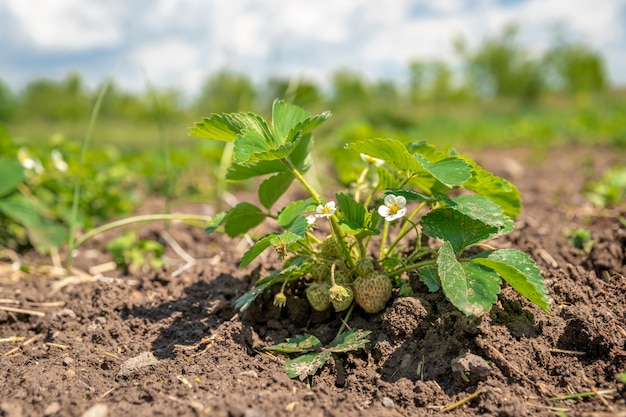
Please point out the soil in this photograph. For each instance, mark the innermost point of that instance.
(170, 342)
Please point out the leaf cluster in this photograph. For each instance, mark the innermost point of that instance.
(312, 355)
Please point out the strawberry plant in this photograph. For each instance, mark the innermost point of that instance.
(353, 247)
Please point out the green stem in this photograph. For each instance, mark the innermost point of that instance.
(359, 183)
(137, 219)
(345, 320)
(334, 221)
(405, 227)
(71, 244)
(417, 254)
(412, 267)
(302, 181)
(383, 241)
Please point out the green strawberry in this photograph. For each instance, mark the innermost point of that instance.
(329, 248)
(318, 295)
(373, 291)
(341, 303)
(364, 266)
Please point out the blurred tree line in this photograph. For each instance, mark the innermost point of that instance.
(501, 67)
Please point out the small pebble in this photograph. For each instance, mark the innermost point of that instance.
(67, 361)
(388, 402)
(140, 361)
(98, 410)
(11, 409)
(252, 413)
(51, 409)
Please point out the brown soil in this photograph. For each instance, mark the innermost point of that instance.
(150, 343)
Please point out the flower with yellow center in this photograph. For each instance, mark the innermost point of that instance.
(394, 207)
(325, 210)
(371, 160)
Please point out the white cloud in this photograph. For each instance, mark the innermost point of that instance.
(67, 24)
(180, 41)
(173, 62)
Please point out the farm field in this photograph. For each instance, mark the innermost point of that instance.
(146, 319)
(147, 342)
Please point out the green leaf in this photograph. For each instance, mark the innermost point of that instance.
(298, 344)
(450, 171)
(306, 365)
(353, 212)
(46, 235)
(293, 210)
(520, 271)
(11, 174)
(497, 189)
(226, 127)
(460, 230)
(273, 187)
(216, 222)
(248, 297)
(241, 218)
(387, 179)
(20, 209)
(389, 150)
(295, 270)
(238, 172)
(483, 209)
(250, 155)
(278, 275)
(471, 288)
(307, 125)
(300, 156)
(256, 249)
(248, 143)
(430, 278)
(43, 233)
(351, 340)
(285, 117)
(296, 231)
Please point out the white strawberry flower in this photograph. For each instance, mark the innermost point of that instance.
(325, 210)
(371, 160)
(28, 161)
(394, 207)
(57, 160)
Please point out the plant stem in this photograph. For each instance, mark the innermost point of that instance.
(405, 229)
(383, 241)
(334, 221)
(359, 183)
(71, 244)
(137, 219)
(412, 267)
(302, 181)
(345, 320)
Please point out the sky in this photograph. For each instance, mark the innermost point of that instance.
(178, 43)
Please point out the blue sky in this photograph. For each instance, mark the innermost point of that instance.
(177, 43)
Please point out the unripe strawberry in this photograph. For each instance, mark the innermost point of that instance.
(343, 302)
(318, 295)
(329, 248)
(364, 266)
(373, 291)
(342, 277)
